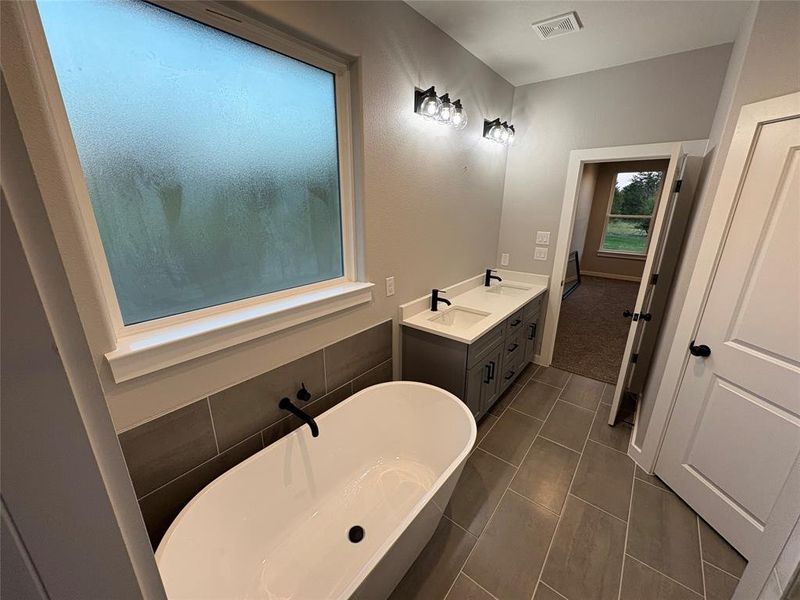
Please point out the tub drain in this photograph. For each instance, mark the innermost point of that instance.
(356, 534)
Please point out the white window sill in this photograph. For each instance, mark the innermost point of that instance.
(628, 255)
(150, 351)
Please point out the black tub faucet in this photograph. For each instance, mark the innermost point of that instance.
(435, 299)
(286, 404)
(487, 281)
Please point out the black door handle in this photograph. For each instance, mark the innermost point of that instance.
(645, 316)
(627, 314)
(702, 350)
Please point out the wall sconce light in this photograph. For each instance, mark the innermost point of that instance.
(502, 133)
(439, 108)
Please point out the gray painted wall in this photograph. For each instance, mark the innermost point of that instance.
(665, 99)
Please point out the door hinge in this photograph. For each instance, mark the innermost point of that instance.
(634, 358)
(653, 278)
(678, 185)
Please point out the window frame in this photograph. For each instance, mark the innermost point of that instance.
(608, 215)
(148, 346)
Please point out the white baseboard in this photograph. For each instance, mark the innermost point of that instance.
(611, 276)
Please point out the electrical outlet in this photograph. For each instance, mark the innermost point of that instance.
(504, 260)
(540, 254)
(390, 286)
(543, 237)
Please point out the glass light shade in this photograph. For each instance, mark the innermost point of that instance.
(496, 133)
(446, 111)
(429, 107)
(511, 135)
(459, 120)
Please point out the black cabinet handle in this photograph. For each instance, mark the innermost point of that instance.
(532, 334)
(491, 377)
(702, 350)
(488, 373)
(515, 322)
(513, 347)
(510, 375)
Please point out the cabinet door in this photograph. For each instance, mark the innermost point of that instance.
(530, 339)
(490, 389)
(476, 378)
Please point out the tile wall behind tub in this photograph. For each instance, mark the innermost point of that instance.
(171, 458)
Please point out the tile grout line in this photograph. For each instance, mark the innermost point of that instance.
(476, 583)
(516, 470)
(556, 592)
(700, 544)
(627, 531)
(652, 568)
(721, 570)
(213, 427)
(602, 510)
(544, 437)
(658, 487)
(325, 369)
(524, 497)
(497, 457)
(610, 448)
(539, 580)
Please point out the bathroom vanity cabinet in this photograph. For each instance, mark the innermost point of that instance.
(478, 372)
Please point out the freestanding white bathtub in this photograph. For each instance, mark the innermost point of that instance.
(277, 525)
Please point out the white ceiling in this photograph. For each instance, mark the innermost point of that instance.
(614, 32)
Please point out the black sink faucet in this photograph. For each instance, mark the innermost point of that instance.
(286, 404)
(487, 281)
(435, 299)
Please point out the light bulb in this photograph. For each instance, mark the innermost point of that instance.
(459, 120)
(496, 133)
(446, 109)
(429, 107)
(511, 134)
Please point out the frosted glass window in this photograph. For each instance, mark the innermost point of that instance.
(211, 162)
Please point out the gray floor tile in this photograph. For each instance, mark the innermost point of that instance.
(583, 391)
(545, 593)
(511, 436)
(505, 400)
(536, 399)
(437, 566)
(553, 376)
(546, 473)
(640, 581)
(510, 553)
(608, 395)
(604, 479)
(719, 585)
(651, 479)
(487, 422)
(478, 491)
(720, 553)
(616, 437)
(568, 425)
(527, 373)
(466, 589)
(586, 557)
(663, 535)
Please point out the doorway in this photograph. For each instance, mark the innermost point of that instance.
(610, 242)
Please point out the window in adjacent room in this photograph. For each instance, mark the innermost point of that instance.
(630, 212)
(213, 163)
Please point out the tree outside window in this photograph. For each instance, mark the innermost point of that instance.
(630, 212)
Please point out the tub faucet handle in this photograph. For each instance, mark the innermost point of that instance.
(303, 394)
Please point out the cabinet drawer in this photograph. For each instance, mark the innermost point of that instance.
(514, 323)
(484, 344)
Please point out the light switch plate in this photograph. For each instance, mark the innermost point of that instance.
(390, 286)
(540, 254)
(543, 237)
(504, 259)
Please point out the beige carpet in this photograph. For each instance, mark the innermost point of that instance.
(591, 329)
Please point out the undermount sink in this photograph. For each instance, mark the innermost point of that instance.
(508, 289)
(458, 316)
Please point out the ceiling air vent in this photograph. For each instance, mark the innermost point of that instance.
(556, 26)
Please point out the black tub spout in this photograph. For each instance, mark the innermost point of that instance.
(286, 404)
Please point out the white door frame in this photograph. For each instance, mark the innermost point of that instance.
(577, 159)
(751, 117)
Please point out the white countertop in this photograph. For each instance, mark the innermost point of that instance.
(475, 298)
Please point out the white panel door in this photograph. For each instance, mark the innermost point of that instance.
(734, 434)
